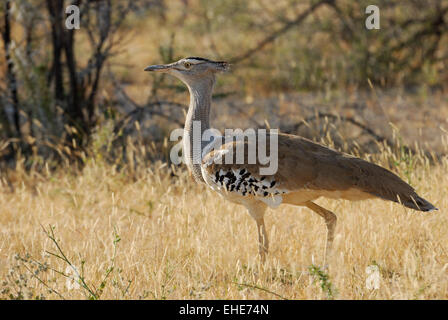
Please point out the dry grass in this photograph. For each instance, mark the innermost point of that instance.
(179, 240)
(143, 233)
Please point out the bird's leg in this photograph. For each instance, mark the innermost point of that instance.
(257, 211)
(330, 221)
(263, 241)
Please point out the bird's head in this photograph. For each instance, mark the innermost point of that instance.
(191, 70)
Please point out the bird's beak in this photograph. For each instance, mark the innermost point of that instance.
(222, 66)
(158, 68)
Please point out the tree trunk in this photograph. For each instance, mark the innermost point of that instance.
(56, 9)
(10, 75)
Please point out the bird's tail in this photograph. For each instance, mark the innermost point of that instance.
(386, 185)
(408, 197)
(418, 203)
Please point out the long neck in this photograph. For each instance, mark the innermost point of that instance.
(198, 120)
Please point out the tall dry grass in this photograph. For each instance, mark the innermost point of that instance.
(153, 234)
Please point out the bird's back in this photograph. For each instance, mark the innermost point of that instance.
(333, 171)
(308, 170)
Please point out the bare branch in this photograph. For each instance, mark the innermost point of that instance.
(270, 38)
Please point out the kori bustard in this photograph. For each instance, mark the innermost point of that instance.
(306, 170)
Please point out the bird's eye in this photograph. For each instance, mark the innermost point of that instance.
(187, 65)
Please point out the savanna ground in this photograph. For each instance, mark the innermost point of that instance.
(120, 222)
(154, 233)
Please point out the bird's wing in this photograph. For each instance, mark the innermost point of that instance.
(337, 171)
(295, 168)
(304, 165)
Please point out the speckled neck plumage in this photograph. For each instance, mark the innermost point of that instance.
(199, 110)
